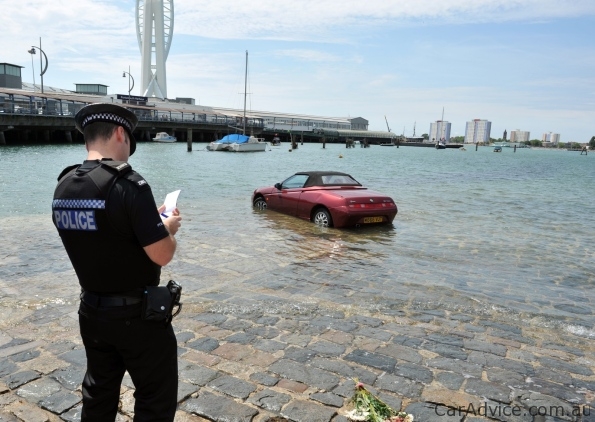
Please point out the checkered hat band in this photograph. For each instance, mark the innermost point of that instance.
(106, 117)
(79, 203)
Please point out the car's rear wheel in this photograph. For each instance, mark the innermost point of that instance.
(260, 203)
(322, 218)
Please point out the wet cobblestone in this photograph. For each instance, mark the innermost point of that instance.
(308, 374)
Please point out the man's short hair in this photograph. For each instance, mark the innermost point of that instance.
(99, 131)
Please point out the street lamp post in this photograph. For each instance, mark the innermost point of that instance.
(129, 78)
(32, 52)
(41, 67)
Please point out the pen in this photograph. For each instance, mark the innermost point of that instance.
(164, 215)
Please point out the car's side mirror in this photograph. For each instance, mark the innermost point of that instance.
(278, 186)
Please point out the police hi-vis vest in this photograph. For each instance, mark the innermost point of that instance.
(104, 259)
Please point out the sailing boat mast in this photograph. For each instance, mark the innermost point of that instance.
(245, 91)
(442, 125)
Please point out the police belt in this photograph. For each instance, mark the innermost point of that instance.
(111, 300)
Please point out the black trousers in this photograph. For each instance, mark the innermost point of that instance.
(117, 340)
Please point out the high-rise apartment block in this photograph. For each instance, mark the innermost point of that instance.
(440, 131)
(519, 136)
(477, 130)
(550, 137)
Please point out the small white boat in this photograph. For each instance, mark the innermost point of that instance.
(164, 137)
(238, 143)
(251, 145)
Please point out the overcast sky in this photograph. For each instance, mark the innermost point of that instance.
(521, 64)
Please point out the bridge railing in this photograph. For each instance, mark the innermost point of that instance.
(155, 116)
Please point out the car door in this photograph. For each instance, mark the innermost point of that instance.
(286, 199)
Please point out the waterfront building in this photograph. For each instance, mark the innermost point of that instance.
(10, 75)
(91, 89)
(278, 121)
(519, 136)
(440, 131)
(478, 130)
(550, 138)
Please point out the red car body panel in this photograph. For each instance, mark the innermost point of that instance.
(348, 205)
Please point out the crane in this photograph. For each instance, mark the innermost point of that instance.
(386, 123)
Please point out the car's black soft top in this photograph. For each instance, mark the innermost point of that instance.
(315, 178)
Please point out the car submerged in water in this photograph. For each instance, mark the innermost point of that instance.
(327, 198)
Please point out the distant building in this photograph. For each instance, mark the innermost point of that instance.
(10, 76)
(183, 100)
(477, 130)
(91, 89)
(519, 136)
(440, 131)
(504, 136)
(359, 123)
(550, 138)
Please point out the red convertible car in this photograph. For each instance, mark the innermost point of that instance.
(327, 198)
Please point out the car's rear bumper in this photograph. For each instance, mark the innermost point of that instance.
(348, 217)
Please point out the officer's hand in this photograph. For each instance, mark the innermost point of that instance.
(173, 222)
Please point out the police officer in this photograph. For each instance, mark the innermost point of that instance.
(117, 242)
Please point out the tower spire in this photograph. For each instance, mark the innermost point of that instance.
(154, 30)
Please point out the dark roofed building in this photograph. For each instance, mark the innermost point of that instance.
(91, 89)
(359, 123)
(10, 76)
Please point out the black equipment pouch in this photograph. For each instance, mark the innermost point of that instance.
(159, 302)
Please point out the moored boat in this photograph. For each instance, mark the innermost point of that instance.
(164, 137)
(238, 143)
(250, 144)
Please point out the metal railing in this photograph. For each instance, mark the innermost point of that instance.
(155, 116)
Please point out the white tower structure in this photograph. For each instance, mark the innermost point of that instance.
(477, 130)
(154, 30)
(440, 131)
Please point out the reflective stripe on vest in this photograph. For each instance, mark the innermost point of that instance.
(78, 215)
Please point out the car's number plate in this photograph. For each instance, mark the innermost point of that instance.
(373, 219)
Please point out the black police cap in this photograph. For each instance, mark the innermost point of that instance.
(109, 113)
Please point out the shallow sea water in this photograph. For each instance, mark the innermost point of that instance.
(506, 235)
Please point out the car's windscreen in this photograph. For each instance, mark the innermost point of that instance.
(339, 179)
(295, 181)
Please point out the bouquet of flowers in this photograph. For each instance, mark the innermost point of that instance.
(369, 408)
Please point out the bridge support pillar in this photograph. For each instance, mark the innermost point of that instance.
(68, 135)
(189, 140)
(147, 135)
(46, 136)
(2, 139)
(202, 137)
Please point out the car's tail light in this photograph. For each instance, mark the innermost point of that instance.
(372, 205)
